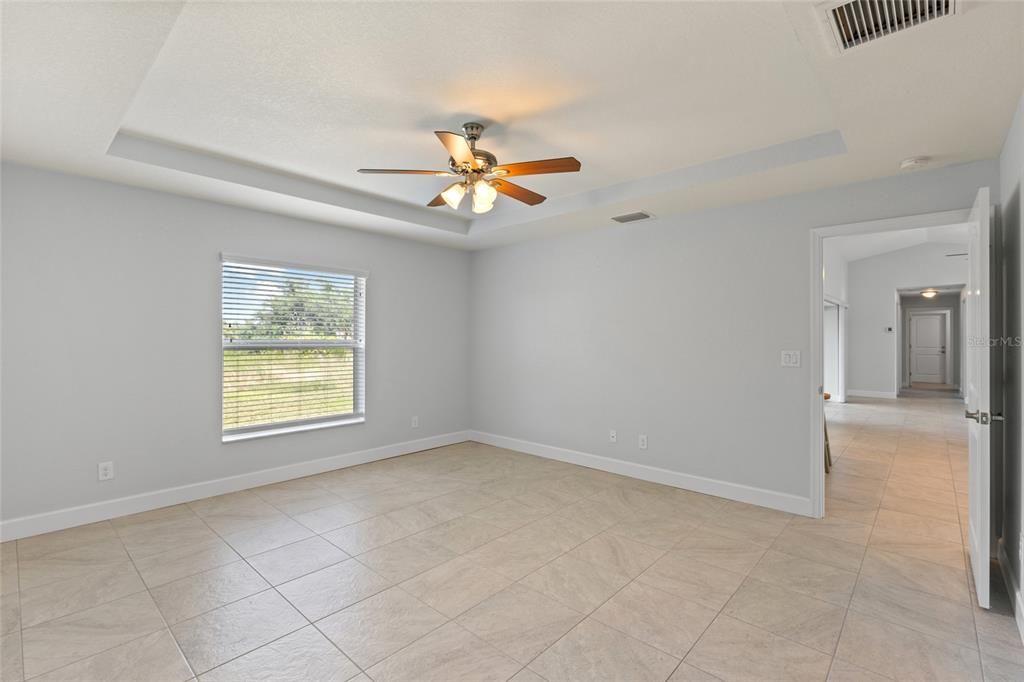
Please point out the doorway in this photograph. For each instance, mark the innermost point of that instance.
(928, 349)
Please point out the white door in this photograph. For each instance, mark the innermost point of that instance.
(831, 349)
(927, 348)
(977, 395)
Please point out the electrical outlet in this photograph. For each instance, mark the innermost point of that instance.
(643, 441)
(105, 471)
(415, 422)
(613, 437)
(790, 358)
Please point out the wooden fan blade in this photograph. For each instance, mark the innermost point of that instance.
(399, 171)
(439, 200)
(565, 164)
(458, 148)
(516, 192)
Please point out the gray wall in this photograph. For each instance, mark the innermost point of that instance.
(674, 328)
(1011, 182)
(111, 338)
(953, 343)
(872, 351)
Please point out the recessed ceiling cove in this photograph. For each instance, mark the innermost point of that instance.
(320, 89)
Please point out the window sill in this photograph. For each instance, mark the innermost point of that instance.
(284, 430)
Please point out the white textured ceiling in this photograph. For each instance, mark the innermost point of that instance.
(315, 90)
(856, 247)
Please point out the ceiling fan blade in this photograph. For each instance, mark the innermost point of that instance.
(565, 164)
(516, 192)
(399, 171)
(439, 200)
(458, 148)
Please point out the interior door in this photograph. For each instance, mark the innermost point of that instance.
(927, 348)
(977, 395)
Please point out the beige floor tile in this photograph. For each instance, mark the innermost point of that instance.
(455, 586)
(853, 466)
(375, 628)
(999, 670)
(515, 555)
(333, 588)
(446, 654)
(657, 618)
(796, 617)
(62, 540)
(11, 669)
(916, 574)
(900, 652)
(265, 537)
(202, 592)
(757, 531)
(146, 540)
(947, 620)
(914, 526)
(235, 512)
(733, 650)
(460, 502)
(661, 532)
(462, 534)
(934, 551)
(508, 514)
(220, 635)
(153, 519)
(580, 585)
(297, 497)
(526, 675)
(76, 562)
(617, 553)
(296, 560)
(591, 515)
(8, 567)
(363, 536)
(10, 613)
(303, 656)
(724, 551)
(153, 658)
(329, 518)
(842, 671)
(691, 579)
(852, 511)
(940, 511)
(405, 558)
(837, 528)
(520, 622)
(820, 548)
(806, 577)
(998, 635)
(564, 532)
(687, 673)
(64, 597)
(182, 562)
(420, 517)
(63, 641)
(592, 651)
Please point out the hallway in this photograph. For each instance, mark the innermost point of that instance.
(896, 513)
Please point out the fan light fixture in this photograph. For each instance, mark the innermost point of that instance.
(477, 171)
(453, 195)
(929, 293)
(483, 196)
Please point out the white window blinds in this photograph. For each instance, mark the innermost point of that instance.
(293, 345)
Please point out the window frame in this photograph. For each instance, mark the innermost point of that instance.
(357, 344)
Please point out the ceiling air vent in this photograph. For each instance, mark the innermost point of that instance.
(863, 21)
(631, 217)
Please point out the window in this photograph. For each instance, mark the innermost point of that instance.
(293, 347)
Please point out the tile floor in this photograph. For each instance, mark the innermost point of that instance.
(475, 563)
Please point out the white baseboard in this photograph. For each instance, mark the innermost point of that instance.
(24, 526)
(710, 486)
(1013, 587)
(887, 395)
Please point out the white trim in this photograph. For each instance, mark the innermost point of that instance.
(1012, 586)
(816, 301)
(710, 486)
(234, 259)
(24, 526)
(886, 395)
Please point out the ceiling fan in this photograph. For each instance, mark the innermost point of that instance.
(479, 173)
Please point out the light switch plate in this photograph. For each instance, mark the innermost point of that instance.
(790, 358)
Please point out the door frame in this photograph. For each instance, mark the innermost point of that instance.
(840, 393)
(947, 314)
(816, 302)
